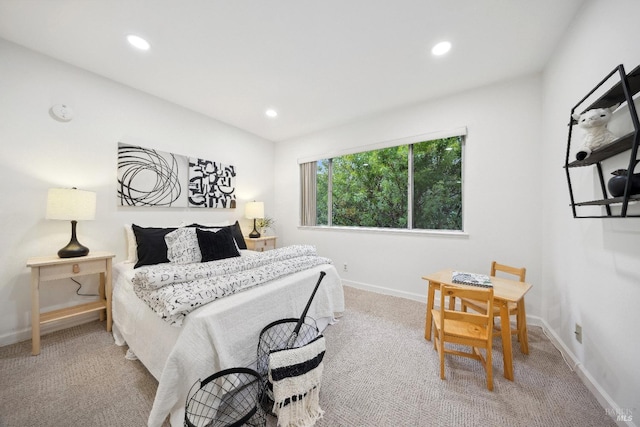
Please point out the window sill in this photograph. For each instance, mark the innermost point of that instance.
(398, 231)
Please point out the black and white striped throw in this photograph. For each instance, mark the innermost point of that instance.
(296, 376)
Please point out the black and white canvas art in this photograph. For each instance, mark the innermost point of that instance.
(211, 184)
(148, 177)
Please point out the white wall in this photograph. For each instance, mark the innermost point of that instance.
(591, 267)
(502, 174)
(39, 153)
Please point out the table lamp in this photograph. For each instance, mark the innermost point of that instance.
(72, 205)
(254, 210)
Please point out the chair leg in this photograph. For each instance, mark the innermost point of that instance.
(489, 369)
(438, 346)
(435, 336)
(441, 353)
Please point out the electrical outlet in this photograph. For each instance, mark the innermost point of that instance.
(578, 333)
(344, 267)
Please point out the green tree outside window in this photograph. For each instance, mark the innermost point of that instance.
(371, 189)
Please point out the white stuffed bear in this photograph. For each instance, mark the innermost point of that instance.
(596, 135)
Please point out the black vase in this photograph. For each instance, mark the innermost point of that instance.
(619, 180)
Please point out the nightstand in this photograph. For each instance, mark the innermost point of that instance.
(49, 268)
(261, 244)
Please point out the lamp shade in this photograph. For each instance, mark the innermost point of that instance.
(71, 204)
(253, 210)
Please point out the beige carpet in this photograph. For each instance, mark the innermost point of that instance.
(379, 371)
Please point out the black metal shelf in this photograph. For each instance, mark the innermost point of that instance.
(620, 92)
(618, 146)
(611, 201)
(616, 94)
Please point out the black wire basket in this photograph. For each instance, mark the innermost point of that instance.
(278, 336)
(243, 396)
(229, 398)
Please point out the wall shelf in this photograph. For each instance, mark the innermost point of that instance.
(621, 92)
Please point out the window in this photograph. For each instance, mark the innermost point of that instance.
(410, 186)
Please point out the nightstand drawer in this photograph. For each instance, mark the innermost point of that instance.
(265, 245)
(261, 244)
(80, 268)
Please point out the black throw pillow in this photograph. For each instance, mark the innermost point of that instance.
(152, 249)
(216, 245)
(237, 235)
(236, 231)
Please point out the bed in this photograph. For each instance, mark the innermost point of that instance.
(218, 335)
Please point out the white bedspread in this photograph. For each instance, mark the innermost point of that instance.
(175, 290)
(220, 335)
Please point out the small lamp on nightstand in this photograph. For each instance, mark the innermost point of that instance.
(72, 205)
(254, 210)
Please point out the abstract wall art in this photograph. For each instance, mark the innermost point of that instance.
(148, 177)
(211, 184)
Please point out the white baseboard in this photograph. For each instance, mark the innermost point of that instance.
(386, 291)
(613, 410)
(47, 328)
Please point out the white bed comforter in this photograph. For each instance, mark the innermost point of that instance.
(175, 290)
(219, 335)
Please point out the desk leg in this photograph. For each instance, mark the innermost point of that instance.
(108, 291)
(35, 311)
(506, 340)
(429, 320)
(522, 327)
(102, 297)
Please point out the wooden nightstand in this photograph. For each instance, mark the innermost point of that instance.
(49, 268)
(261, 244)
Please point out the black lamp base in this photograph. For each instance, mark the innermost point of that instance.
(254, 234)
(73, 248)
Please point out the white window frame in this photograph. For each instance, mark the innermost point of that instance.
(455, 132)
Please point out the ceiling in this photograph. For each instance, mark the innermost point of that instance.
(319, 63)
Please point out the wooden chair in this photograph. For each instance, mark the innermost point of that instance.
(466, 328)
(517, 310)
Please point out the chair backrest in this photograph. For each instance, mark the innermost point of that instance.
(484, 295)
(520, 272)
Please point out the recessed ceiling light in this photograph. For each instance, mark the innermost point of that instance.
(441, 48)
(271, 112)
(138, 42)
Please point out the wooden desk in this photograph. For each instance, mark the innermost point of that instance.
(54, 268)
(504, 292)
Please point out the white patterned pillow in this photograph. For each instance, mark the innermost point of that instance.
(182, 246)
